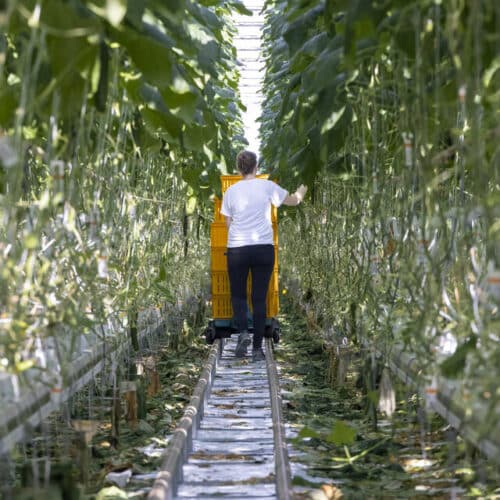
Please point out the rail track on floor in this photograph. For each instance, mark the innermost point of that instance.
(231, 440)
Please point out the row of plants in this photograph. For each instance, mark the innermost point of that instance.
(116, 119)
(108, 440)
(389, 110)
(334, 448)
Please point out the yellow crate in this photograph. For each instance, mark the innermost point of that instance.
(220, 283)
(218, 259)
(218, 234)
(218, 217)
(221, 297)
(273, 282)
(273, 304)
(229, 180)
(221, 307)
(275, 234)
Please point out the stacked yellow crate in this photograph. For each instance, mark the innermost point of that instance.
(221, 297)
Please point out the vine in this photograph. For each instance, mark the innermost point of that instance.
(115, 119)
(388, 112)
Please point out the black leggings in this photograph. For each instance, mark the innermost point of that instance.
(259, 259)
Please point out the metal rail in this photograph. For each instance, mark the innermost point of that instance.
(41, 398)
(402, 364)
(239, 448)
(40, 401)
(282, 464)
(440, 399)
(167, 480)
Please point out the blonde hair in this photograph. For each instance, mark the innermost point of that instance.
(246, 162)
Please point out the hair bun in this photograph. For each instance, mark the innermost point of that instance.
(246, 162)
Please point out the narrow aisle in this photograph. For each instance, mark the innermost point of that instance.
(233, 452)
(248, 46)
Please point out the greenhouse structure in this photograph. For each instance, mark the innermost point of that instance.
(122, 373)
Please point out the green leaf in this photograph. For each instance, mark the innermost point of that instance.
(195, 137)
(73, 52)
(308, 52)
(163, 289)
(207, 56)
(191, 175)
(154, 33)
(151, 96)
(64, 16)
(165, 124)
(341, 434)
(151, 57)
(307, 432)
(135, 11)
(206, 17)
(71, 88)
(240, 8)
(325, 68)
(298, 31)
(182, 98)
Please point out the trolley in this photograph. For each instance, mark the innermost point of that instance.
(222, 324)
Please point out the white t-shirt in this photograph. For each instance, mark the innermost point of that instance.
(248, 203)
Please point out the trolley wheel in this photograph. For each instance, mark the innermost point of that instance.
(276, 336)
(210, 334)
(273, 330)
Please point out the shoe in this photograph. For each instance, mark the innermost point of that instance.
(242, 345)
(258, 355)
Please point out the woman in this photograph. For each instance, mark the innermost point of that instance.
(246, 207)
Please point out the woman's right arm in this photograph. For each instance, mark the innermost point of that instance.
(294, 199)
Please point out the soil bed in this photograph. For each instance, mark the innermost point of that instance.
(337, 453)
(141, 446)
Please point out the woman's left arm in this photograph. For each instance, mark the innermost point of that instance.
(228, 220)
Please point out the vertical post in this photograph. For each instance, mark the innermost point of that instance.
(129, 390)
(116, 409)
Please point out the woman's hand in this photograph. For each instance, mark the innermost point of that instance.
(301, 192)
(294, 199)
